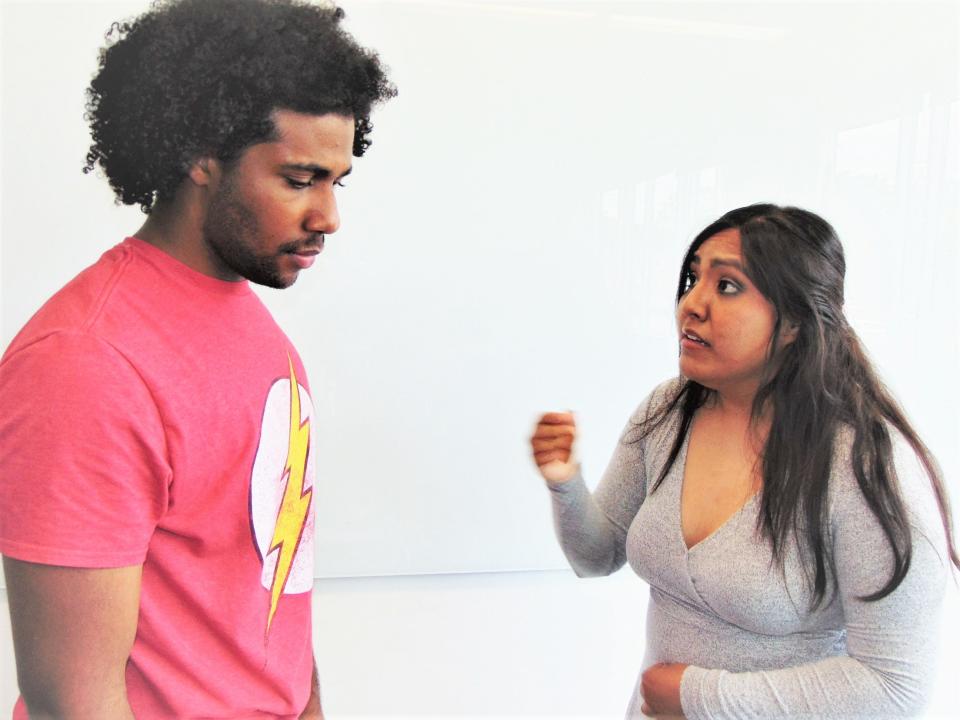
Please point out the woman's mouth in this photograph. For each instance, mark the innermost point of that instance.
(689, 336)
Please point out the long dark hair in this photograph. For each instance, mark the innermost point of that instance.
(813, 387)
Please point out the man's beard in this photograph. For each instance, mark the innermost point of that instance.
(230, 230)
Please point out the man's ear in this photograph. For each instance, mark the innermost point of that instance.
(204, 171)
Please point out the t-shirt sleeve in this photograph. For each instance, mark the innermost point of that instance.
(592, 528)
(891, 643)
(84, 474)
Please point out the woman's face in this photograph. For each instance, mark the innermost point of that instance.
(725, 323)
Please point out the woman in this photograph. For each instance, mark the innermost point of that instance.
(793, 528)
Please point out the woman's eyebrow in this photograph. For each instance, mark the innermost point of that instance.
(719, 262)
(726, 262)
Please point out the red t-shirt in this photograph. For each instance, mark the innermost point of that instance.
(149, 417)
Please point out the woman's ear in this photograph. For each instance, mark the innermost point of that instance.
(788, 333)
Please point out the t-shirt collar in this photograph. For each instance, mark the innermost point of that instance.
(169, 264)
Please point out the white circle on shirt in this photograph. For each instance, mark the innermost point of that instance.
(268, 483)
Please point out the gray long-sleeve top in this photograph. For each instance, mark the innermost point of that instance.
(754, 646)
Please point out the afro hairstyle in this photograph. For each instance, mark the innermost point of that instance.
(190, 78)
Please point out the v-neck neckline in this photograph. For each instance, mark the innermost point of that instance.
(682, 464)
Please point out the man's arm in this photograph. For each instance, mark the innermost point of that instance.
(313, 711)
(73, 629)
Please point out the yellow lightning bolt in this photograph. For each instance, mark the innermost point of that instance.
(295, 503)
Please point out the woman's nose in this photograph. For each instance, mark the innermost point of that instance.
(693, 303)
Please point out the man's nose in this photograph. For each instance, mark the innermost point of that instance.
(322, 215)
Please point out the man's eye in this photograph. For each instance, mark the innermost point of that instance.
(728, 287)
(298, 184)
(339, 183)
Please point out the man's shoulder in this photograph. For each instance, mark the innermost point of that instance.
(74, 307)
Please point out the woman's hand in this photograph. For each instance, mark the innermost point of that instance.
(552, 445)
(660, 686)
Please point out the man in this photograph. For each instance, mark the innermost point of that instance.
(155, 441)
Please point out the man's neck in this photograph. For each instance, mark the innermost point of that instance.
(176, 227)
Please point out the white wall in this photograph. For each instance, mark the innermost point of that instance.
(511, 240)
(509, 244)
(499, 645)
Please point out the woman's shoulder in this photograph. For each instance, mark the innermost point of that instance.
(662, 399)
(658, 411)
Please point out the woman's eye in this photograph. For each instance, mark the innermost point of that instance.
(689, 280)
(728, 287)
(339, 183)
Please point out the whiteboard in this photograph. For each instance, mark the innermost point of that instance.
(511, 241)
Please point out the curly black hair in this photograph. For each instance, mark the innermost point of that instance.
(202, 77)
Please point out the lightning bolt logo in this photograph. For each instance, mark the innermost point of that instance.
(292, 515)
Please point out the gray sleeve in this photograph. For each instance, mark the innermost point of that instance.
(592, 543)
(592, 528)
(891, 643)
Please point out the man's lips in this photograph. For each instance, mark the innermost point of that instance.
(305, 256)
(312, 249)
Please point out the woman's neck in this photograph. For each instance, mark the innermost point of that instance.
(735, 410)
(731, 404)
